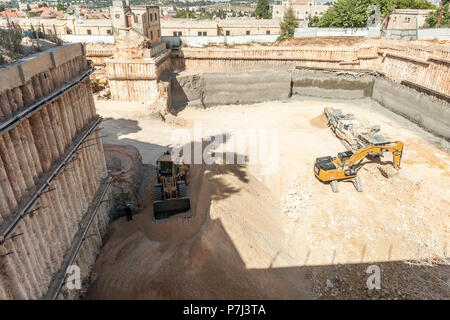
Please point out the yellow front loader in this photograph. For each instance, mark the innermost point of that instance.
(346, 165)
(170, 190)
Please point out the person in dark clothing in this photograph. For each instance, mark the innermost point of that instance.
(129, 213)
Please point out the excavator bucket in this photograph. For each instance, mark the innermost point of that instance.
(163, 209)
(387, 172)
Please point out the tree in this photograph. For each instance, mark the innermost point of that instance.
(288, 24)
(312, 22)
(263, 10)
(433, 17)
(2, 7)
(28, 8)
(61, 7)
(353, 13)
(185, 13)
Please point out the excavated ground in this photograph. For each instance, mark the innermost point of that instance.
(284, 235)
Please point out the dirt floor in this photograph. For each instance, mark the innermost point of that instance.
(282, 234)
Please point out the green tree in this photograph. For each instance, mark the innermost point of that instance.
(28, 8)
(61, 7)
(353, 13)
(312, 22)
(433, 17)
(263, 10)
(185, 13)
(2, 7)
(288, 24)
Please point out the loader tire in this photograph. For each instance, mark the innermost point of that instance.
(334, 186)
(158, 192)
(181, 188)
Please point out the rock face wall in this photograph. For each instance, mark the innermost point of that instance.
(51, 166)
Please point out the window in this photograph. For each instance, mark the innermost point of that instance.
(199, 33)
(247, 32)
(136, 19)
(108, 32)
(306, 12)
(227, 33)
(151, 35)
(156, 16)
(174, 33)
(89, 31)
(267, 31)
(151, 17)
(407, 19)
(204, 33)
(278, 12)
(180, 33)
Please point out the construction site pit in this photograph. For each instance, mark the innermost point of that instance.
(269, 229)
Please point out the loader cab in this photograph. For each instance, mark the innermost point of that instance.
(165, 165)
(165, 168)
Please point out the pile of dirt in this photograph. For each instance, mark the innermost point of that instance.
(237, 225)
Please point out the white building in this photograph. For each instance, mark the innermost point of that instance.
(303, 9)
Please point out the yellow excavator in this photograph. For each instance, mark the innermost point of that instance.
(346, 165)
(170, 190)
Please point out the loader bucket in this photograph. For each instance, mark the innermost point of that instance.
(163, 209)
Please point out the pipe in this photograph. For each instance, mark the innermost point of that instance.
(72, 253)
(41, 103)
(13, 221)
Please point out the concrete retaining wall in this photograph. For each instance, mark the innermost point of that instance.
(209, 89)
(345, 85)
(428, 112)
(433, 33)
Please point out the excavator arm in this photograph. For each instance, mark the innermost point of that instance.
(396, 148)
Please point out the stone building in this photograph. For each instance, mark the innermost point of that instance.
(135, 23)
(66, 25)
(140, 57)
(189, 27)
(303, 9)
(238, 27)
(407, 19)
(226, 27)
